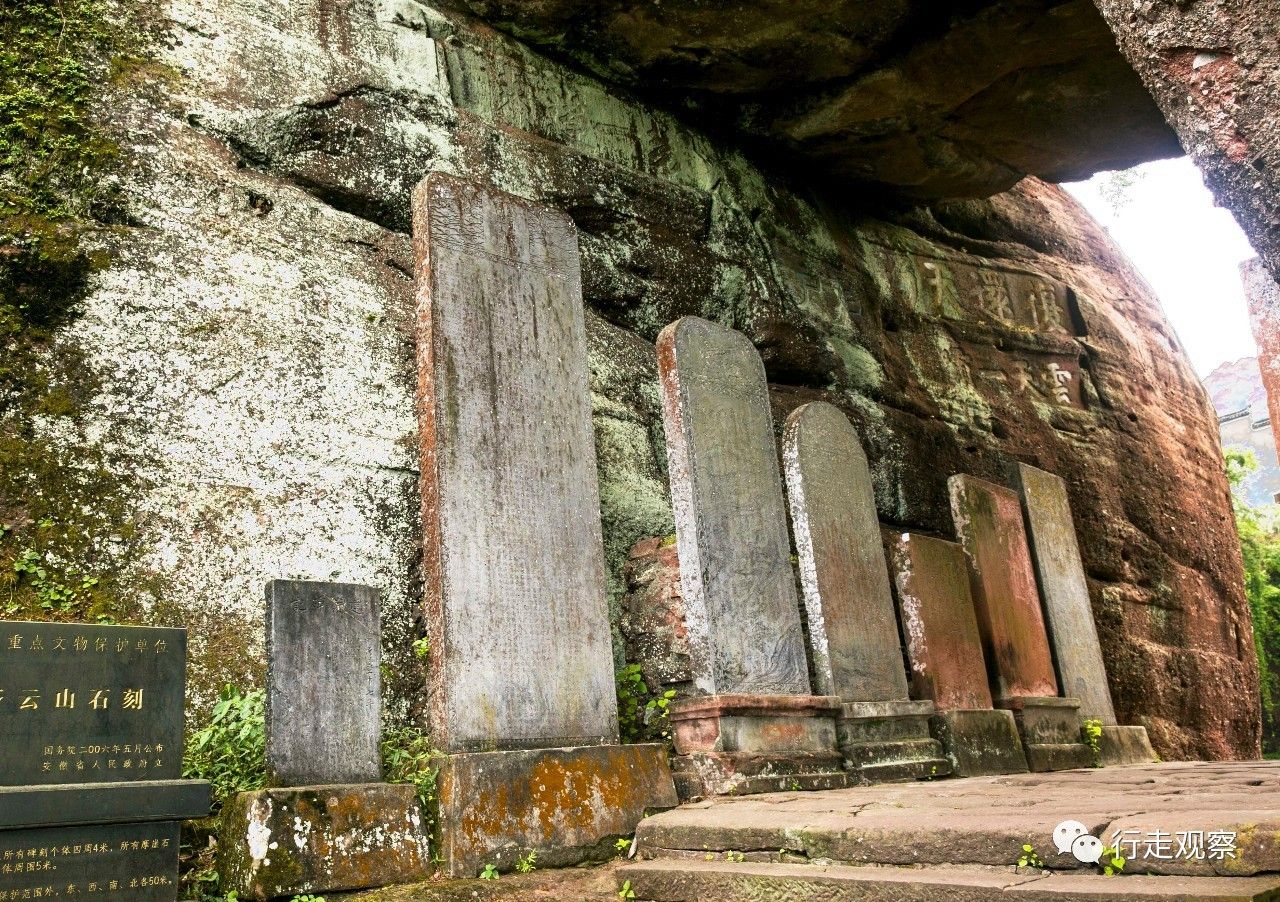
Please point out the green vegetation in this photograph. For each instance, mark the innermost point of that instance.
(526, 864)
(1260, 548)
(231, 751)
(490, 872)
(642, 715)
(407, 757)
(1111, 862)
(1092, 732)
(62, 503)
(1028, 858)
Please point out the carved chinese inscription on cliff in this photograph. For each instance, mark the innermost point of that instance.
(84, 703)
(957, 290)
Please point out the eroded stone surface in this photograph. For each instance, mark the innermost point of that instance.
(1067, 609)
(567, 805)
(281, 842)
(988, 520)
(512, 543)
(324, 688)
(853, 634)
(741, 608)
(944, 648)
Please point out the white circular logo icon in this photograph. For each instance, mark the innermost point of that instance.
(1087, 849)
(1066, 833)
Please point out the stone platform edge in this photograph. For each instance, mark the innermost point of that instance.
(24, 807)
(568, 805)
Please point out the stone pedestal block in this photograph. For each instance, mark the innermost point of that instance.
(889, 741)
(980, 741)
(1050, 731)
(569, 805)
(756, 743)
(1124, 745)
(315, 839)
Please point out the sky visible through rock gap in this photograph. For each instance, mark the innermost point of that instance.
(1188, 249)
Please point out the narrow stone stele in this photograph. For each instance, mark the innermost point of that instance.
(324, 686)
(853, 637)
(988, 521)
(329, 824)
(944, 653)
(521, 671)
(1069, 614)
(756, 725)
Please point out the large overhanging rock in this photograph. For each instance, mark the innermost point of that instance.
(961, 101)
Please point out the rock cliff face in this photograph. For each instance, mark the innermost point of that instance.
(935, 100)
(251, 354)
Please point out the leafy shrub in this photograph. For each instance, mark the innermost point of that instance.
(642, 715)
(231, 751)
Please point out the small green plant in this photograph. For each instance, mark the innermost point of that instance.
(1092, 730)
(622, 846)
(407, 757)
(1111, 862)
(231, 750)
(422, 648)
(642, 715)
(734, 856)
(307, 897)
(1029, 858)
(490, 872)
(626, 892)
(526, 864)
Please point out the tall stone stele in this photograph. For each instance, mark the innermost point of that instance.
(944, 653)
(988, 521)
(1069, 614)
(328, 823)
(853, 634)
(521, 669)
(755, 726)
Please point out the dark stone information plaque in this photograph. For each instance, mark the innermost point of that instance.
(91, 721)
(137, 862)
(84, 703)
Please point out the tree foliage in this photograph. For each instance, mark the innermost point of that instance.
(1259, 530)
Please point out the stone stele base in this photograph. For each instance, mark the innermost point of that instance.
(980, 741)
(1125, 745)
(889, 741)
(569, 805)
(741, 744)
(1050, 729)
(316, 839)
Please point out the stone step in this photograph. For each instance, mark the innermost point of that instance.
(728, 881)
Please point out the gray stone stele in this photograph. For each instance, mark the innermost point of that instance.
(1068, 611)
(324, 692)
(522, 654)
(853, 633)
(742, 612)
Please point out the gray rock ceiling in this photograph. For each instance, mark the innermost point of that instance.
(928, 99)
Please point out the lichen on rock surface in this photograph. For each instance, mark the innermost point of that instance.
(251, 348)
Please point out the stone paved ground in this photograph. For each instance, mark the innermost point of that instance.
(963, 836)
(986, 820)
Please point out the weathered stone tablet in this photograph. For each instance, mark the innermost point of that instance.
(988, 520)
(944, 647)
(742, 611)
(324, 694)
(1065, 592)
(853, 634)
(514, 560)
